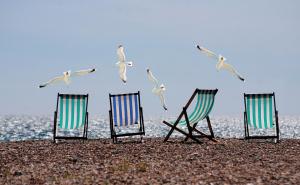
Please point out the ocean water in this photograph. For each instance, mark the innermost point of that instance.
(15, 128)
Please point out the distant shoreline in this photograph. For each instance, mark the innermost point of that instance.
(14, 128)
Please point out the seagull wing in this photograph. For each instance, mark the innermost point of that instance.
(162, 100)
(121, 54)
(122, 72)
(54, 80)
(152, 78)
(207, 52)
(83, 72)
(229, 68)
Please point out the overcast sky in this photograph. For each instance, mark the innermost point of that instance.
(41, 39)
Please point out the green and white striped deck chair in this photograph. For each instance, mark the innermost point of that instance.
(203, 106)
(260, 113)
(71, 114)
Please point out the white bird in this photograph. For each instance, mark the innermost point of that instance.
(122, 63)
(158, 89)
(221, 62)
(66, 77)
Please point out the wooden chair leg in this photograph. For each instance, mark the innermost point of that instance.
(170, 132)
(171, 125)
(205, 135)
(210, 137)
(182, 132)
(210, 128)
(190, 135)
(193, 128)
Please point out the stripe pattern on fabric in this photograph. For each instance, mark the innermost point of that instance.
(204, 105)
(260, 111)
(125, 109)
(72, 110)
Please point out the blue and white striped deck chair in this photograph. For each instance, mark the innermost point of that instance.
(203, 106)
(260, 113)
(70, 115)
(126, 114)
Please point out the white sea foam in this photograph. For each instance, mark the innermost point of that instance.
(13, 128)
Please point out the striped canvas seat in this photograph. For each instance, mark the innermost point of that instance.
(125, 109)
(126, 115)
(260, 111)
(204, 105)
(71, 117)
(72, 111)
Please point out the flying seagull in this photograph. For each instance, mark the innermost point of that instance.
(158, 89)
(66, 77)
(221, 62)
(122, 63)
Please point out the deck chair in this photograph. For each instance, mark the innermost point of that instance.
(71, 115)
(261, 113)
(203, 106)
(126, 115)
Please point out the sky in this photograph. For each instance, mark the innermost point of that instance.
(41, 39)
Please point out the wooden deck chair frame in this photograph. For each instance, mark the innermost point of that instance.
(246, 125)
(85, 128)
(113, 133)
(193, 128)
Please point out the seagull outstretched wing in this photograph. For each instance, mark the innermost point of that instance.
(162, 100)
(229, 68)
(83, 72)
(54, 80)
(122, 72)
(121, 54)
(207, 52)
(152, 78)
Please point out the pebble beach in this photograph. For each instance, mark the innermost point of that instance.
(98, 161)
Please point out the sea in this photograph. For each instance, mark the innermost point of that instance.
(25, 127)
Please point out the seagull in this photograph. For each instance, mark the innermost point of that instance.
(122, 63)
(158, 89)
(221, 62)
(66, 77)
